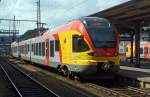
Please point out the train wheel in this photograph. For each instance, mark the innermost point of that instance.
(71, 75)
(65, 71)
(59, 68)
(76, 78)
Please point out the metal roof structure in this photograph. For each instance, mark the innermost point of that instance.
(127, 14)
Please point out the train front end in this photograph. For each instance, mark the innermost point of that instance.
(96, 49)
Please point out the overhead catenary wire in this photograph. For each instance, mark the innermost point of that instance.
(71, 8)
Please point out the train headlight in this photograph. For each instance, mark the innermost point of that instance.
(93, 54)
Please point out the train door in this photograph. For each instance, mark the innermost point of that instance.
(47, 61)
(54, 53)
(57, 51)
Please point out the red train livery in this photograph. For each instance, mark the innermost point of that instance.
(88, 45)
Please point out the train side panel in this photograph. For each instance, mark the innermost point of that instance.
(37, 51)
(54, 51)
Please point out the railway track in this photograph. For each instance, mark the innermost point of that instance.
(116, 92)
(6, 86)
(23, 84)
(120, 92)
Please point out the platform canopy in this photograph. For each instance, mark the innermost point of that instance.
(127, 14)
(129, 17)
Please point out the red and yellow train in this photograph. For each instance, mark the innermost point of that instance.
(144, 50)
(88, 45)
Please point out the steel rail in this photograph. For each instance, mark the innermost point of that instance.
(12, 83)
(10, 66)
(107, 91)
(34, 80)
(121, 92)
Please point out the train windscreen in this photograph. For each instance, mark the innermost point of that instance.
(101, 32)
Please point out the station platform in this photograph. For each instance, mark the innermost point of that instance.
(142, 74)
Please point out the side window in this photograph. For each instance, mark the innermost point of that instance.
(52, 48)
(34, 49)
(79, 45)
(43, 48)
(28, 48)
(37, 49)
(56, 45)
(141, 50)
(40, 49)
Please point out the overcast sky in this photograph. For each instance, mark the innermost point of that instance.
(54, 12)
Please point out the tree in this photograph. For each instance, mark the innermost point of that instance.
(32, 33)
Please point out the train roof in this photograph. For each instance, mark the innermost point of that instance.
(65, 27)
(96, 18)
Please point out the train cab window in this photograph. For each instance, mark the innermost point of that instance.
(52, 48)
(43, 48)
(56, 45)
(141, 50)
(79, 44)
